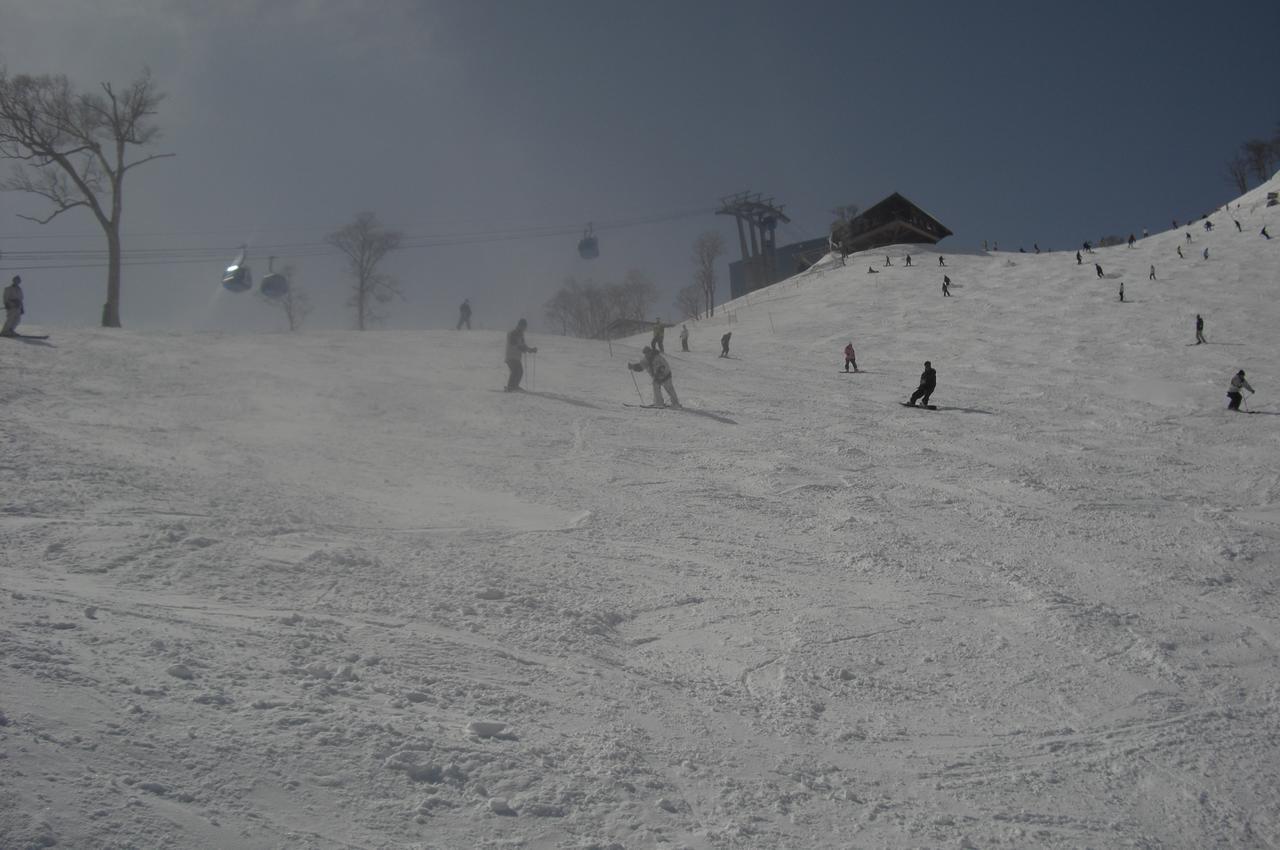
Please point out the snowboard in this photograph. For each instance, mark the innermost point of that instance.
(30, 336)
(925, 406)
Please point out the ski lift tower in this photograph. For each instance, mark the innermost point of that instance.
(757, 218)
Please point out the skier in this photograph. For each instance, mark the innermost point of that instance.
(464, 315)
(1263, 232)
(516, 348)
(1098, 269)
(724, 344)
(908, 259)
(1237, 382)
(1152, 274)
(1122, 290)
(941, 261)
(1239, 229)
(658, 331)
(1206, 252)
(1200, 340)
(656, 365)
(1208, 225)
(1079, 259)
(887, 261)
(928, 380)
(1180, 257)
(849, 359)
(1036, 245)
(1188, 237)
(684, 337)
(1132, 239)
(13, 308)
(946, 286)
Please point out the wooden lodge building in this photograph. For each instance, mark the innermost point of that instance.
(893, 221)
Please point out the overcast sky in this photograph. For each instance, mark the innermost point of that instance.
(469, 122)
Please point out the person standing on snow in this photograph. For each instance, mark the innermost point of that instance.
(1079, 259)
(1237, 383)
(1122, 290)
(684, 337)
(659, 330)
(13, 307)
(1206, 252)
(1098, 269)
(1180, 257)
(941, 261)
(516, 349)
(1152, 275)
(928, 380)
(849, 359)
(1200, 340)
(464, 315)
(724, 344)
(946, 286)
(659, 370)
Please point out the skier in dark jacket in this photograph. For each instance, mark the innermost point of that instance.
(516, 349)
(1200, 340)
(928, 380)
(724, 344)
(13, 308)
(1098, 269)
(464, 315)
(946, 286)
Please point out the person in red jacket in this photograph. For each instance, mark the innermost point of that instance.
(849, 359)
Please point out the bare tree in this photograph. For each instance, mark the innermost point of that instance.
(1237, 172)
(1260, 155)
(294, 303)
(586, 309)
(365, 243)
(706, 249)
(689, 302)
(72, 149)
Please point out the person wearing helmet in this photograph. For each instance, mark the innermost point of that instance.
(660, 371)
(1237, 383)
(13, 309)
(928, 380)
(516, 349)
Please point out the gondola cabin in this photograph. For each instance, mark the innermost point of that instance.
(274, 284)
(588, 247)
(237, 277)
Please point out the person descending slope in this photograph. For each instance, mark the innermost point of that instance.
(724, 344)
(464, 314)
(849, 359)
(659, 370)
(13, 308)
(946, 286)
(516, 349)
(659, 330)
(684, 337)
(1237, 383)
(1098, 269)
(1200, 340)
(928, 381)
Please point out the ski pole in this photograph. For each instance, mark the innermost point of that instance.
(637, 384)
(533, 371)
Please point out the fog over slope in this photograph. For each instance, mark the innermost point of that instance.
(336, 590)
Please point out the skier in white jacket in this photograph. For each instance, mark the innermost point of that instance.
(660, 371)
(1237, 383)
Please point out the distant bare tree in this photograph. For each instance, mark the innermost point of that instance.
(1237, 172)
(586, 309)
(364, 242)
(707, 248)
(72, 147)
(1261, 156)
(689, 302)
(294, 303)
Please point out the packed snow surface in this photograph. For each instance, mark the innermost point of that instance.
(337, 590)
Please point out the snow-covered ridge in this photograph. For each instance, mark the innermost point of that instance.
(337, 590)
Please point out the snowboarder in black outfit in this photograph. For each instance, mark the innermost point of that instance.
(908, 259)
(928, 380)
(1098, 269)
(1200, 340)
(464, 315)
(1079, 259)
(1122, 290)
(946, 286)
(13, 307)
(724, 344)
(516, 349)
(941, 261)
(849, 359)
(1237, 383)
